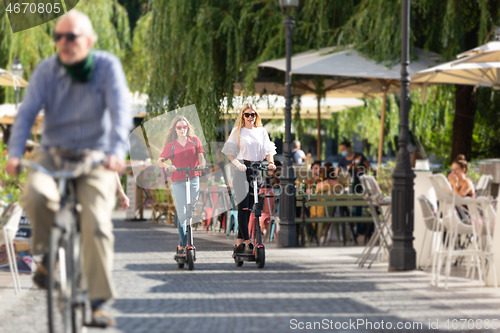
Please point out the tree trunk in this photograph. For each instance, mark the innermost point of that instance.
(463, 123)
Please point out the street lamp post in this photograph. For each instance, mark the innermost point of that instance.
(287, 235)
(402, 256)
(17, 69)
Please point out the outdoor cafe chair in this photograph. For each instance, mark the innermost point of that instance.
(275, 216)
(213, 205)
(267, 209)
(483, 186)
(433, 226)
(232, 217)
(456, 225)
(483, 218)
(163, 205)
(11, 217)
(380, 210)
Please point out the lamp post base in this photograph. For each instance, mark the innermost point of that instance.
(402, 259)
(287, 235)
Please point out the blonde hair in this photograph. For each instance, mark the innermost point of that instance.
(172, 134)
(240, 122)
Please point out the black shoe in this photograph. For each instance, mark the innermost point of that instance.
(249, 248)
(240, 248)
(40, 278)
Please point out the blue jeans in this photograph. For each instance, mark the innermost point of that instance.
(179, 193)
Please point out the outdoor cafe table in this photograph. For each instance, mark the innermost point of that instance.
(331, 201)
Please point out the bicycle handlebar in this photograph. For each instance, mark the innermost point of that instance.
(61, 174)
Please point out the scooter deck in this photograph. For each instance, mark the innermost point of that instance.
(244, 257)
(180, 258)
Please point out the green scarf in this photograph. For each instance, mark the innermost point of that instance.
(81, 71)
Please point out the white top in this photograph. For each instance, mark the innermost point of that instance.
(254, 144)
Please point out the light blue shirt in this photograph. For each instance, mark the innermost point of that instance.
(93, 115)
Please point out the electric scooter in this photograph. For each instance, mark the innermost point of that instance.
(189, 256)
(259, 252)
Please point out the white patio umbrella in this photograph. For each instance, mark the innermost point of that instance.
(459, 72)
(272, 106)
(10, 80)
(489, 52)
(348, 74)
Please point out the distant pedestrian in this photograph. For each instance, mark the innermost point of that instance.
(298, 155)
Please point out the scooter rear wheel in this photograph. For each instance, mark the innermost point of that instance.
(180, 265)
(238, 263)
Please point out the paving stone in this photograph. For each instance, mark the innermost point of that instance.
(301, 286)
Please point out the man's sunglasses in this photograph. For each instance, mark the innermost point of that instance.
(247, 115)
(181, 127)
(70, 37)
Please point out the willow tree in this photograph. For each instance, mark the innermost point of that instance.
(446, 27)
(201, 48)
(110, 22)
(138, 59)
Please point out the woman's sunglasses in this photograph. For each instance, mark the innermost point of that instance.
(181, 127)
(247, 115)
(70, 37)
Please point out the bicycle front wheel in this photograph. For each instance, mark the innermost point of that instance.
(58, 289)
(78, 296)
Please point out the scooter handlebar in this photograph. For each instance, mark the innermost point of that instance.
(258, 167)
(187, 169)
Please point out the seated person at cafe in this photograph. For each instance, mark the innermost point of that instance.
(355, 164)
(460, 183)
(316, 173)
(326, 186)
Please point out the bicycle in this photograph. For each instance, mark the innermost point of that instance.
(65, 293)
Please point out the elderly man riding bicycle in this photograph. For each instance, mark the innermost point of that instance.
(84, 96)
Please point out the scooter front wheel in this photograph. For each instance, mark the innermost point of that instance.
(190, 259)
(260, 257)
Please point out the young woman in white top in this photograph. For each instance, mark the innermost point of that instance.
(248, 143)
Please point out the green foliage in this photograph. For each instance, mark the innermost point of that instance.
(486, 142)
(110, 22)
(431, 120)
(9, 186)
(33, 45)
(202, 47)
(135, 10)
(384, 177)
(138, 60)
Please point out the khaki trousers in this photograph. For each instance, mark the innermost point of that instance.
(96, 194)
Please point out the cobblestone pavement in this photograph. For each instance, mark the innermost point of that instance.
(296, 289)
